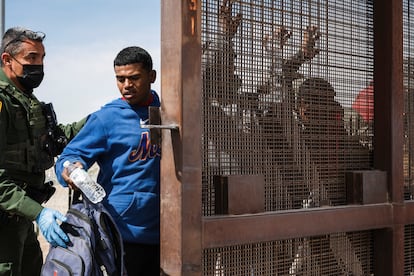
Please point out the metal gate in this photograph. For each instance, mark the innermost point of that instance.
(275, 168)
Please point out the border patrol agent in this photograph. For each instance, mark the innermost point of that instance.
(30, 138)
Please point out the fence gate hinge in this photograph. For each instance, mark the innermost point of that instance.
(154, 125)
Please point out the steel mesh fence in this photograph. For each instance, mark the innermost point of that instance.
(329, 255)
(287, 94)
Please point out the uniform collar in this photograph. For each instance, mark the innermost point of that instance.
(4, 78)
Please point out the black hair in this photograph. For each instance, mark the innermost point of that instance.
(314, 90)
(134, 54)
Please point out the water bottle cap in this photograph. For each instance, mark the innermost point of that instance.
(66, 164)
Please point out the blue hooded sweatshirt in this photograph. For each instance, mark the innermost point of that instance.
(129, 166)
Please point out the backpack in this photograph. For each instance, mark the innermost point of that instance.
(95, 247)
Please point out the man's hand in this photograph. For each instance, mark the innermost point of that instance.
(68, 180)
(47, 221)
(311, 35)
(277, 40)
(228, 22)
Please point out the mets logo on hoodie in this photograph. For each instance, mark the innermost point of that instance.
(145, 150)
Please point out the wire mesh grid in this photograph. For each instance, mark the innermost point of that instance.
(409, 250)
(287, 94)
(336, 254)
(408, 71)
(408, 63)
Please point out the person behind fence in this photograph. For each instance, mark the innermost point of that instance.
(30, 138)
(116, 138)
(320, 114)
(331, 148)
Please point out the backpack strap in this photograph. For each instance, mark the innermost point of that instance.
(76, 197)
(105, 223)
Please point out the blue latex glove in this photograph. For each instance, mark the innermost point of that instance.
(50, 228)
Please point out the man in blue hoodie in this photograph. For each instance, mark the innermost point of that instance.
(115, 139)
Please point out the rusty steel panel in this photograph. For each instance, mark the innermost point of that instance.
(239, 194)
(181, 159)
(388, 127)
(366, 187)
(279, 87)
(240, 113)
(232, 230)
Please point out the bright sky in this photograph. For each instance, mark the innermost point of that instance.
(82, 40)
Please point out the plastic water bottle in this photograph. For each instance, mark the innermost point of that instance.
(92, 190)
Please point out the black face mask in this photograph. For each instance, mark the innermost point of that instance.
(32, 76)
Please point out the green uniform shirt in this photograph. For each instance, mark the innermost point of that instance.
(13, 197)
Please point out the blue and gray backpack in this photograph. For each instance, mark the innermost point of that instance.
(95, 247)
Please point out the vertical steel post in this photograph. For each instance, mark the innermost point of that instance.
(389, 129)
(181, 247)
(2, 16)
